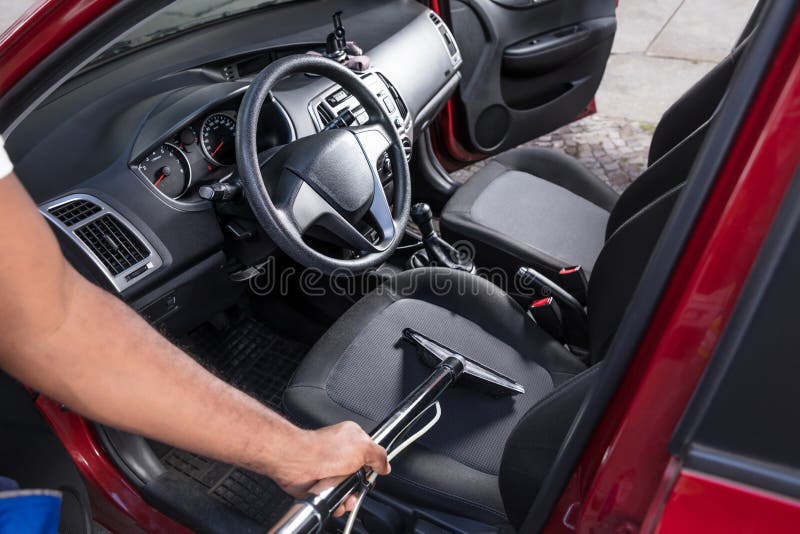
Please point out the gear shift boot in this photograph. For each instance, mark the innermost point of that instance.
(438, 252)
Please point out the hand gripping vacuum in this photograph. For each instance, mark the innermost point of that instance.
(449, 367)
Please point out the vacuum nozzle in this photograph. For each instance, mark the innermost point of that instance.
(475, 375)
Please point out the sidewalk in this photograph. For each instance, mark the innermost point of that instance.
(10, 10)
(662, 48)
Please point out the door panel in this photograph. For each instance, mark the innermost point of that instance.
(530, 66)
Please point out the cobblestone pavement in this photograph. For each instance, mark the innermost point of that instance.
(613, 149)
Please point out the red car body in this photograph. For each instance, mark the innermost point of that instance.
(626, 479)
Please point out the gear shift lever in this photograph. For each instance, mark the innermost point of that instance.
(440, 252)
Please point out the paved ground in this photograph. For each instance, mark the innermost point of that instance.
(662, 47)
(10, 10)
(614, 149)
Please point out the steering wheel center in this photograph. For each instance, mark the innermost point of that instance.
(335, 165)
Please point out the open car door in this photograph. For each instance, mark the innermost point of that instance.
(530, 66)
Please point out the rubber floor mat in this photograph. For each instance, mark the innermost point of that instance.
(251, 357)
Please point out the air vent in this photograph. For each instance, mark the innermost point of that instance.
(325, 116)
(407, 147)
(113, 243)
(74, 211)
(447, 38)
(229, 72)
(401, 106)
(107, 238)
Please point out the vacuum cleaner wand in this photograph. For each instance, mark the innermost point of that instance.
(309, 515)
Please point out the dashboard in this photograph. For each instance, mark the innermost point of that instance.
(117, 157)
(202, 150)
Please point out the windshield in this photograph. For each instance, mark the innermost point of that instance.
(179, 16)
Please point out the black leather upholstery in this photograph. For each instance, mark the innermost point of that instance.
(693, 108)
(361, 368)
(533, 445)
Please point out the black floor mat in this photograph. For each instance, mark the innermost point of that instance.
(251, 357)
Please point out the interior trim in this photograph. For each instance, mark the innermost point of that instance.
(123, 280)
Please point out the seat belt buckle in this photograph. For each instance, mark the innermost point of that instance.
(546, 313)
(573, 279)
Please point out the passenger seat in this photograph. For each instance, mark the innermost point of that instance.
(541, 208)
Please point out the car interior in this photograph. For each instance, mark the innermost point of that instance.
(284, 216)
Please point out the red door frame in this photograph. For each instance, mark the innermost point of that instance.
(42, 29)
(702, 503)
(621, 469)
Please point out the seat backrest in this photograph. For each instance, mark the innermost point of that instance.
(695, 107)
(642, 210)
(634, 227)
(676, 141)
(620, 266)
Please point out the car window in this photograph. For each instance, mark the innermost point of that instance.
(181, 16)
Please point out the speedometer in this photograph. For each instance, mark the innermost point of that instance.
(168, 169)
(218, 139)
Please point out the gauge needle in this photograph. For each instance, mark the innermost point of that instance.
(217, 149)
(160, 178)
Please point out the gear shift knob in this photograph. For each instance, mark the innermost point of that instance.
(422, 215)
(439, 252)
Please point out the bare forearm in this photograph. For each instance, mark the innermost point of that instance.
(80, 345)
(106, 363)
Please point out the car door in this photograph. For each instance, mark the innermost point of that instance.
(529, 66)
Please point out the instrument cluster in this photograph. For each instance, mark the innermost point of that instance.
(201, 152)
(204, 151)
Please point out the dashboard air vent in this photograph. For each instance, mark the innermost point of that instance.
(229, 72)
(407, 147)
(398, 100)
(74, 211)
(447, 38)
(325, 116)
(113, 243)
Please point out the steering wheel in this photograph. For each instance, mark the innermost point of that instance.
(329, 179)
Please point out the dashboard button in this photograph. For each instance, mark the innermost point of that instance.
(389, 103)
(338, 97)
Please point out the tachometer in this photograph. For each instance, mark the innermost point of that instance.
(218, 139)
(168, 169)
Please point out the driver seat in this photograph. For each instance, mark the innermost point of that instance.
(486, 458)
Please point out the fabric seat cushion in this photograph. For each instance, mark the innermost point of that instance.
(361, 368)
(513, 217)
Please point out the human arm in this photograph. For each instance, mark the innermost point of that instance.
(76, 343)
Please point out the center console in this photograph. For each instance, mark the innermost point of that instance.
(335, 101)
(332, 102)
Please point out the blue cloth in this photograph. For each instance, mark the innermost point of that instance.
(28, 511)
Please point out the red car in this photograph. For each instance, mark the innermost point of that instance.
(242, 174)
